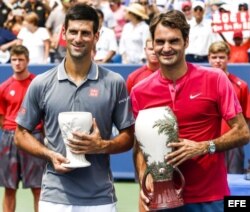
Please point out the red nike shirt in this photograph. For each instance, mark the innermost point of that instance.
(199, 99)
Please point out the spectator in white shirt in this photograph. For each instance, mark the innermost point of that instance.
(200, 36)
(134, 35)
(35, 39)
(106, 46)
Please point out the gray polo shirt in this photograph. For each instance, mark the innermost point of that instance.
(103, 94)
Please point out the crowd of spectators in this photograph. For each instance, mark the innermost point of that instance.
(128, 19)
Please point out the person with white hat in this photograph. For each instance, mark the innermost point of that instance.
(134, 35)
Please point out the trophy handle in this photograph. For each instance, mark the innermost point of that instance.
(179, 191)
(144, 188)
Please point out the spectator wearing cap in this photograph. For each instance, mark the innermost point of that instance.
(186, 8)
(201, 35)
(134, 35)
(238, 50)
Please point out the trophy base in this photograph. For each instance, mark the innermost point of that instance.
(165, 196)
(76, 165)
(76, 160)
(169, 205)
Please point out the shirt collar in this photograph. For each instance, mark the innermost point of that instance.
(92, 75)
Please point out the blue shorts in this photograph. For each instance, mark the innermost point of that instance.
(215, 206)
(17, 165)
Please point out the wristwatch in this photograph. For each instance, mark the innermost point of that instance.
(211, 147)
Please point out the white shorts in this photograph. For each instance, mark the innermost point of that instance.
(49, 206)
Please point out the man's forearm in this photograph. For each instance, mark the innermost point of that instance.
(238, 135)
(139, 162)
(24, 139)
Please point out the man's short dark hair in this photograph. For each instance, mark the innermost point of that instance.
(18, 50)
(82, 12)
(174, 19)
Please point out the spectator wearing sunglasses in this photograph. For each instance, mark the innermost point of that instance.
(201, 35)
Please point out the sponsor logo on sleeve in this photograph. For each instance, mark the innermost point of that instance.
(22, 110)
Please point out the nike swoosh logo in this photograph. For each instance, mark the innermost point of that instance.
(194, 96)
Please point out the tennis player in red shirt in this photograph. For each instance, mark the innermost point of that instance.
(200, 97)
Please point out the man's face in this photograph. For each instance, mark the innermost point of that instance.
(238, 41)
(29, 26)
(80, 38)
(187, 11)
(169, 45)
(150, 53)
(19, 63)
(198, 13)
(144, 3)
(218, 60)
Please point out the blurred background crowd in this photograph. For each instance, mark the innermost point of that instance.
(124, 28)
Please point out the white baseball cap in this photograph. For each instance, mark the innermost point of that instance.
(198, 4)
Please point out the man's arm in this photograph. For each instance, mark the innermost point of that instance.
(223, 37)
(83, 143)
(139, 161)
(8, 45)
(46, 50)
(1, 121)
(27, 142)
(140, 167)
(121, 143)
(237, 136)
(109, 56)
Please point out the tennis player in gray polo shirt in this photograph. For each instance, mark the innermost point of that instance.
(77, 84)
